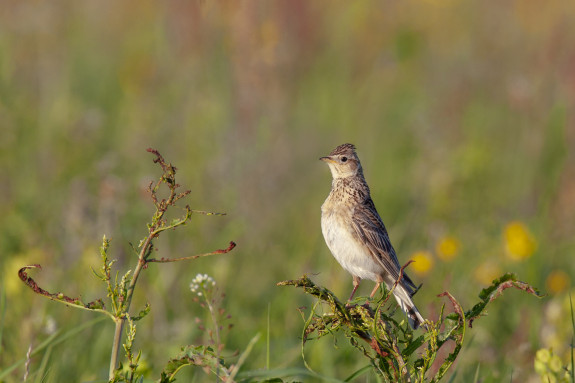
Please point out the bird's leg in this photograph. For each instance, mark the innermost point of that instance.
(356, 281)
(375, 289)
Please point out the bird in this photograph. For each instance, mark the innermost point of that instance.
(356, 236)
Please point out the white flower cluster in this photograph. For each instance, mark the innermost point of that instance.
(201, 281)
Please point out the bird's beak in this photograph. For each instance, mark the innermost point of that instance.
(327, 159)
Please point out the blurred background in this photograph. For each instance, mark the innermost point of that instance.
(462, 113)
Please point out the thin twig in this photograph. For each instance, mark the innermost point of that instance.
(220, 251)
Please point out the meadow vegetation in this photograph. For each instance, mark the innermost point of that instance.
(462, 113)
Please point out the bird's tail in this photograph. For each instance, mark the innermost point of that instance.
(403, 298)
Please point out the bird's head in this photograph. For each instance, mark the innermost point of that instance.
(343, 161)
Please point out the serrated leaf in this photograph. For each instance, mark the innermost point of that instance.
(490, 293)
(143, 312)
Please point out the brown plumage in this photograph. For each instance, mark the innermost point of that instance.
(356, 235)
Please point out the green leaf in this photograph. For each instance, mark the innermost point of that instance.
(378, 336)
(143, 312)
(414, 345)
(203, 356)
(490, 293)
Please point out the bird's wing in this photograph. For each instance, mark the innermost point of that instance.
(369, 229)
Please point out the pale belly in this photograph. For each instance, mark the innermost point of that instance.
(350, 254)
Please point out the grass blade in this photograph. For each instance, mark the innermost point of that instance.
(52, 341)
(359, 372)
(476, 377)
(268, 339)
(40, 374)
(243, 357)
(2, 315)
(572, 340)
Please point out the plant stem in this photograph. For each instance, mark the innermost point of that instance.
(116, 347)
(216, 329)
(120, 318)
(157, 226)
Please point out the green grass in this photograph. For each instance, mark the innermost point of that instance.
(461, 112)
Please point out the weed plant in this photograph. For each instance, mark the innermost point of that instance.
(120, 290)
(395, 351)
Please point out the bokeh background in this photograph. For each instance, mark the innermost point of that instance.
(462, 112)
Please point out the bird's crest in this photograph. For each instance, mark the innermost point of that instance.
(343, 149)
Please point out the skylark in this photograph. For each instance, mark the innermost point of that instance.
(356, 235)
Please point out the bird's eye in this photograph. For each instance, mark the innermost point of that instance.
(343, 159)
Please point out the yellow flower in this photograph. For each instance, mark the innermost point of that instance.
(447, 248)
(487, 272)
(557, 281)
(543, 355)
(548, 378)
(550, 367)
(540, 367)
(555, 364)
(519, 242)
(422, 262)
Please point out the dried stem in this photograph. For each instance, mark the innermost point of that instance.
(220, 251)
(96, 306)
(157, 226)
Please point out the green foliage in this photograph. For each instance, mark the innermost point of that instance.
(490, 293)
(202, 356)
(120, 292)
(461, 130)
(394, 350)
